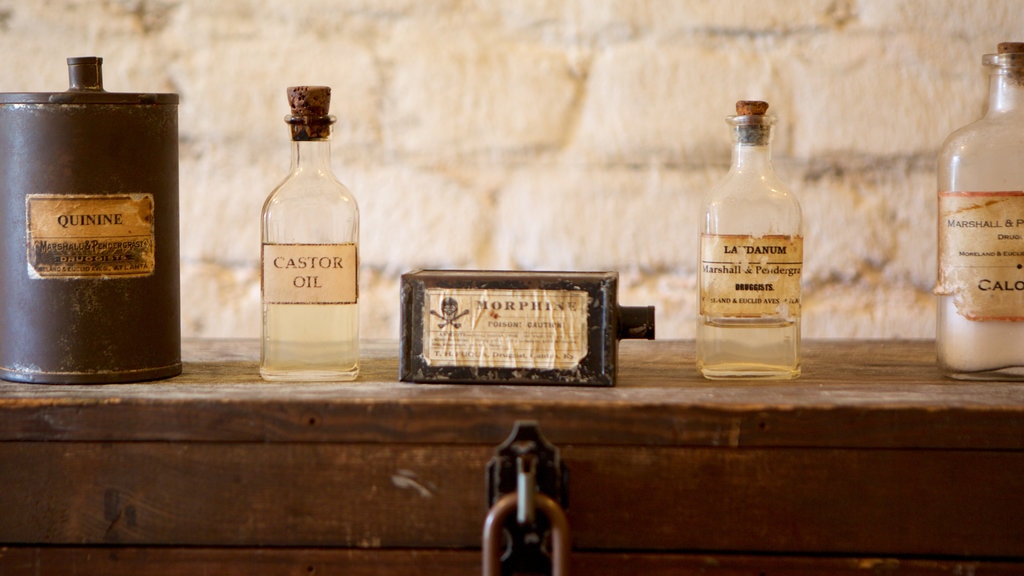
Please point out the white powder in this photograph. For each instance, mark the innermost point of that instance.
(967, 346)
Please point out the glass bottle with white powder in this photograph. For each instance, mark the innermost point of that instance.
(980, 288)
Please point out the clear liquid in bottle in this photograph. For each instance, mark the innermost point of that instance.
(751, 263)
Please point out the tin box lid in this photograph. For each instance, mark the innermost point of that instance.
(85, 75)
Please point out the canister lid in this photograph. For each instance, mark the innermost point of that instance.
(85, 75)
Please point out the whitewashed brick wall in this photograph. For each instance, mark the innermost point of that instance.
(545, 134)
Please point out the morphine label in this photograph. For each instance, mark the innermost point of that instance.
(537, 329)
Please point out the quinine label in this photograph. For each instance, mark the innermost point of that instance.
(750, 277)
(88, 236)
(981, 253)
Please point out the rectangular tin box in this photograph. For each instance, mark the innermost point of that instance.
(557, 328)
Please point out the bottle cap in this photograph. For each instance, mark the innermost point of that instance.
(1010, 47)
(85, 73)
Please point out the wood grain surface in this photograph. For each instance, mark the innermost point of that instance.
(870, 462)
(860, 394)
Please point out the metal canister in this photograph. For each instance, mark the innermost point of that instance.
(89, 272)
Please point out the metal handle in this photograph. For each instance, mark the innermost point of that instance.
(527, 474)
(493, 528)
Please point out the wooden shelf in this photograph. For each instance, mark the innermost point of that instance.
(871, 456)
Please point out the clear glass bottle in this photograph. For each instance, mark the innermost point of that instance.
(980, 309)
(310, 259)
(751, 248)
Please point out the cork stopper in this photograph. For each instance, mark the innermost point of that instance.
(751, 108)
(751, 123)
(309, 100)
(310, 118)
(1010, 47)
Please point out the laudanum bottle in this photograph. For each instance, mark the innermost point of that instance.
(310, 257)
(751, 259)
(980, 288)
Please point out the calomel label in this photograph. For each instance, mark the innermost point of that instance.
(310, 273)
(498, 328)
(82, 236)
(750, 277)
(981, 253)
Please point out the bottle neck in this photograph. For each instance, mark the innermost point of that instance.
(752, 149)
(636, 323)
(311, 155)
(1006, 90)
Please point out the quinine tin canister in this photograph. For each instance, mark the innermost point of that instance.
(89, 273)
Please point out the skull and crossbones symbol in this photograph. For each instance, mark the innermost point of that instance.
(449, 313)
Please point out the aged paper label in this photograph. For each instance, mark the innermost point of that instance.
(744, 276)
(82, 236)
(496, 328)
(981, 253)
(310, 273)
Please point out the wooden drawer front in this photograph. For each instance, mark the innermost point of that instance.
(788, 501)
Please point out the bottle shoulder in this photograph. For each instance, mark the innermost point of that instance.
(990, 132)
(310, 212)
(757, 206)
(317, 191)
(753, 188)
(983, 155)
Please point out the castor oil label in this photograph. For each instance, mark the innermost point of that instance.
(981, 253)
(750, 277)
(310, 273)
(503, 328)
(83, 236)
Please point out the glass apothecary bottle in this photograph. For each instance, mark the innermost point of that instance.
(751, 250)
(980, 288)
(310, 257)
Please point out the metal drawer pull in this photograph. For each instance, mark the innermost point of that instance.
(493, 531)
(526, 474)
